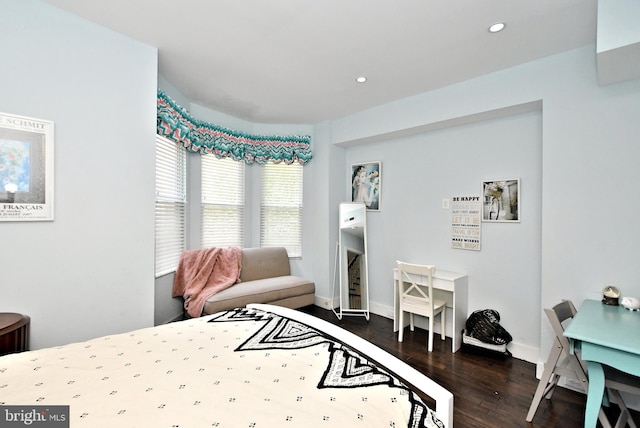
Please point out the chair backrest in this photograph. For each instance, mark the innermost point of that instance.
(558, 315)
(408, 273)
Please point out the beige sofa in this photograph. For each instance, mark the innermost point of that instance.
(265, 277)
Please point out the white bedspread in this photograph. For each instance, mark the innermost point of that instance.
(241, 368)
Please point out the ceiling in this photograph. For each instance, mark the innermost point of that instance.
(296, 61)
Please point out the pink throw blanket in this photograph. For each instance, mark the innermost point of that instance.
(203, 273)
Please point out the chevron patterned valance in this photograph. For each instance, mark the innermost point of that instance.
(175, 123)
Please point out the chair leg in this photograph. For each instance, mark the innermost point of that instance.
(401, 324)
(443, 317)
(548, 392)
(430, 345)
(547, 374)
(625, 416)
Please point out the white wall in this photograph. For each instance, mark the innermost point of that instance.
(89, 272)
(589, 186)
(617, 24)
(419, 172)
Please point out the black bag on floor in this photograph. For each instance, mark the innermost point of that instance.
(484, 325)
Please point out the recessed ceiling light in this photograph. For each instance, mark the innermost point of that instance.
(361, 79)
(497, 27)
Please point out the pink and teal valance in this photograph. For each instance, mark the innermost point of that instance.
(175, 123)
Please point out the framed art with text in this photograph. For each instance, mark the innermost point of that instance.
(466, 231)
(26, 168)
(501, 200)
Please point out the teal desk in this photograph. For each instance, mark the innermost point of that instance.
(606, 335)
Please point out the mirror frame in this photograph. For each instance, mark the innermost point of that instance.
(352, 222)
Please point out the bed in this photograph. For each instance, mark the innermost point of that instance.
(259, 366)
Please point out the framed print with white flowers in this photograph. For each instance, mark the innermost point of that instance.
(366, 181)
(501, 201)
(26, 168)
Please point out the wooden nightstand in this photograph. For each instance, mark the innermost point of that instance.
(14, 333)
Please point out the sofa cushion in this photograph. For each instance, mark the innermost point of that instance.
(264, 262)
(265, 290)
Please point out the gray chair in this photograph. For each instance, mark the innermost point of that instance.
(562, 362)
(615, 382)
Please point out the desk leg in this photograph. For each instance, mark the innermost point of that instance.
(395, 306)
(594, 394)
(457, 320)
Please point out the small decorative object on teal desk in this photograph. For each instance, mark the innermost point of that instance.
(631, 303)
(610, 295)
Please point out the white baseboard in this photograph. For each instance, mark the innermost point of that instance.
(325, 302)
(524, 352)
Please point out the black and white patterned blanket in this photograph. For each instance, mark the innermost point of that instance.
(240, 368)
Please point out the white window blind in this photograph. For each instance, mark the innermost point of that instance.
(281, 207)
(171, 202)
(222, 204)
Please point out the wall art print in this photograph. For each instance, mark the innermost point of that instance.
(501, 201)
(26, 168)
(366, 181)
(466, 230)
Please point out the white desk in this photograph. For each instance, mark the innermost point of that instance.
(450, 287)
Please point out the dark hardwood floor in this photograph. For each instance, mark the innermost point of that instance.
(488, 391)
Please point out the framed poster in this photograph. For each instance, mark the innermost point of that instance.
(466, 233)
(26, 168)
(501, 201)
(366, 181)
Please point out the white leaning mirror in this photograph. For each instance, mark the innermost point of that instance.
(351, 260)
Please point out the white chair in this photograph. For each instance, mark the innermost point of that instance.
(418, 299)
(562, 362)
